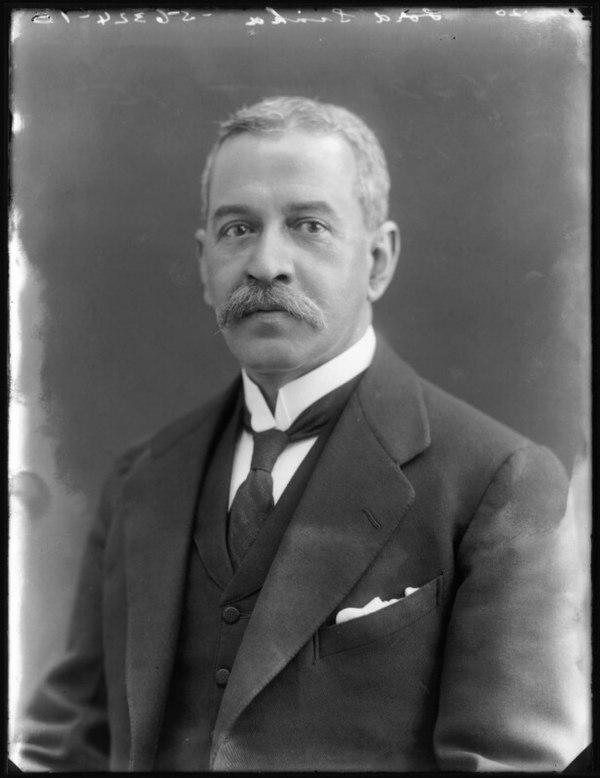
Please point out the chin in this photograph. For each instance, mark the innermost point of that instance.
(272, 361)
(270, 355)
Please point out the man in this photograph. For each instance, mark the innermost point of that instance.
(386, 586)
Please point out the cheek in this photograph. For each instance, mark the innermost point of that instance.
(338, 302)
(221, 281)
(339, 286)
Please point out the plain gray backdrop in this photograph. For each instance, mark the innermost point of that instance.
(484, 119)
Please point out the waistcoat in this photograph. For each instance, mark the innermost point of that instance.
(218, 604)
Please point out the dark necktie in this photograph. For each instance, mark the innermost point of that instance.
(253, 501)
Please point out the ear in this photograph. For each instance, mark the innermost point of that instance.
(201, 256)
(385, 250)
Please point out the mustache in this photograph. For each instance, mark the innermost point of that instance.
(256, 296)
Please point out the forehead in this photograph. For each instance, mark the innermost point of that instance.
(293, 163)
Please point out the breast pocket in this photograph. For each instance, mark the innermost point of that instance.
(374, 626)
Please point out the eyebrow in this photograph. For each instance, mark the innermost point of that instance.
(311, 205)
(290, 209)
(231, 210)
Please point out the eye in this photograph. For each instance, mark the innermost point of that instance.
(235, 230)
(311, 226)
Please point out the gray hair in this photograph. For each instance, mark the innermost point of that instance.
(278, 114)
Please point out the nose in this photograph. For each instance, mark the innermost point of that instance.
(270, 258)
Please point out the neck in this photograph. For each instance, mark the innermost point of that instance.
(271, 382)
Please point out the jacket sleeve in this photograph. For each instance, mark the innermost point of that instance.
(514, 689)
(65, 724)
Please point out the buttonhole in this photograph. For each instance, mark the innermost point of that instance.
(371, 518)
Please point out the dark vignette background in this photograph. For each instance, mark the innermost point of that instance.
(484, 122)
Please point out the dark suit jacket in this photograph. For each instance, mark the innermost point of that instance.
(478, 669)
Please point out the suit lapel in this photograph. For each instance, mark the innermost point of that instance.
(158, 503)
(210, 533)
(356, 498)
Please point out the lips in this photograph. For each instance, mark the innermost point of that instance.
(265, 308)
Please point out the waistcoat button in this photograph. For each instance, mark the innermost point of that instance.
(231, 614)
(222, 676)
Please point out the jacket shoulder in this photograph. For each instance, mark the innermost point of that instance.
(464, 434)
(417, 419)
(450, 412)
(177, 431)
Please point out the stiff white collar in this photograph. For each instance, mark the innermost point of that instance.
(296, 396)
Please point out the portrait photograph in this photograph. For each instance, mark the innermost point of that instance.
(300, 388)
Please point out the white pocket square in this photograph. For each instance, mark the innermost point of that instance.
(347, 614)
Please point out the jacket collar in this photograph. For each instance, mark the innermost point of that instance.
(392, 403)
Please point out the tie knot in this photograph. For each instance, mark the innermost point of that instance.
(268, 445)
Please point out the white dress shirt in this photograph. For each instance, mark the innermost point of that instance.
(292, 399)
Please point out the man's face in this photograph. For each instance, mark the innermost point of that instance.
(283, 210)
